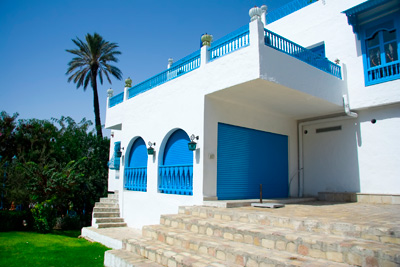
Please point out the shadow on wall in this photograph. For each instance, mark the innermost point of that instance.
(331, 161)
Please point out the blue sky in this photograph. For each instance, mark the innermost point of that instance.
(35, 33)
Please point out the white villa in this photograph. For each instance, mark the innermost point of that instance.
(304, 100)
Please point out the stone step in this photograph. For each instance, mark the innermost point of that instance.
(323, 246)
(123, 258)
(106, 205)
(166, 255)
(366, 231)
(105, 214)
(226, 250)
(111, 225)
(109, 220)
(105, 209)
(113, 196)
(109, 200)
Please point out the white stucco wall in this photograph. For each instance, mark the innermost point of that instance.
(361, 157)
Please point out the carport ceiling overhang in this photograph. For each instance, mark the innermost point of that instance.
(265, 95)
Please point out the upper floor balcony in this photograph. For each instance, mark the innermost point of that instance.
(251, 56)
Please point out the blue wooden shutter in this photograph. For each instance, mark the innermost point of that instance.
(138, 154)
(176, 150)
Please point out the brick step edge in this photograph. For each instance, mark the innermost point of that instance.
(356, 255)
(279, 238)
(123, 258)
(111, 225)
(243, 254)
(169, 256)
(344, 229)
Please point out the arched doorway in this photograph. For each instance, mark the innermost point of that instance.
(136, 169)
(176, 169)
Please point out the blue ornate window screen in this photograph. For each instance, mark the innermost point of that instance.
(176, 171)
(115, 160)
(135, 173)
(381, 58)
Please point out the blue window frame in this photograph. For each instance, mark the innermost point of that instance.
(380, 41)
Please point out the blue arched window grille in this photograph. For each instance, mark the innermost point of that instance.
(176, 171)
(136, 169)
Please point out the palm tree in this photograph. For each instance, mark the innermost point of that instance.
(91, 60)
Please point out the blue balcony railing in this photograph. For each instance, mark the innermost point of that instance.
(136, 179)
(185, 65)
(287, 9)
(384, 73)
(229, 43)
(116, 99)
(176, 179)
(282, 44)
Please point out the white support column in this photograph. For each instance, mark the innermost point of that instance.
(204, 56)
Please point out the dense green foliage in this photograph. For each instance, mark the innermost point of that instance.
(91, 60)
(13, 220)
(56, 249)
(60, 164)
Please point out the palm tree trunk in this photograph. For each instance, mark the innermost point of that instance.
(96, 105)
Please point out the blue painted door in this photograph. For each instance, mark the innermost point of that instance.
(248, 158)
(136, 171)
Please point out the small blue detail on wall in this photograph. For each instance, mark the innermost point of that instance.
(115, 161)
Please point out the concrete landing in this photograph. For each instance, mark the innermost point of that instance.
(114, 238)
(247, 202)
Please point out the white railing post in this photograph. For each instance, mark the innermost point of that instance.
(256, 33)
(204, 55)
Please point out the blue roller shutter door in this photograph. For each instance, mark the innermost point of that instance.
(248, 158)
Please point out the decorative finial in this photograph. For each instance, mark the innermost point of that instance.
(110, 92)
(206, 39)
(170, 61)
(128, 82)
(264, 8)
(255, 13)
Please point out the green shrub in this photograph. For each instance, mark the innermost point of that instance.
(12, 220)
(44, 216)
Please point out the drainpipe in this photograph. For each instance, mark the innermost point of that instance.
(349, 115)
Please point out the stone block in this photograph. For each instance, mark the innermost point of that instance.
(248, 239)
(303, 250)
(209, 231)
(251, 263)
(318, 254)
(354, 259)
(334, 256)
(291, 247)
(171, 263)
(228, 236)
(240, 260)
(194, 228)
(238, 238)
(203, 250)
(221, 255)
(280, 245)
(226, 218)
(174, 224)
(170, 240)
(267, 243)
(256, 241)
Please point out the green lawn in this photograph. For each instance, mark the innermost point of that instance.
(61, 248)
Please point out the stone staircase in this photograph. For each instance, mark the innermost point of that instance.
(106, 213)
(208, 236)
